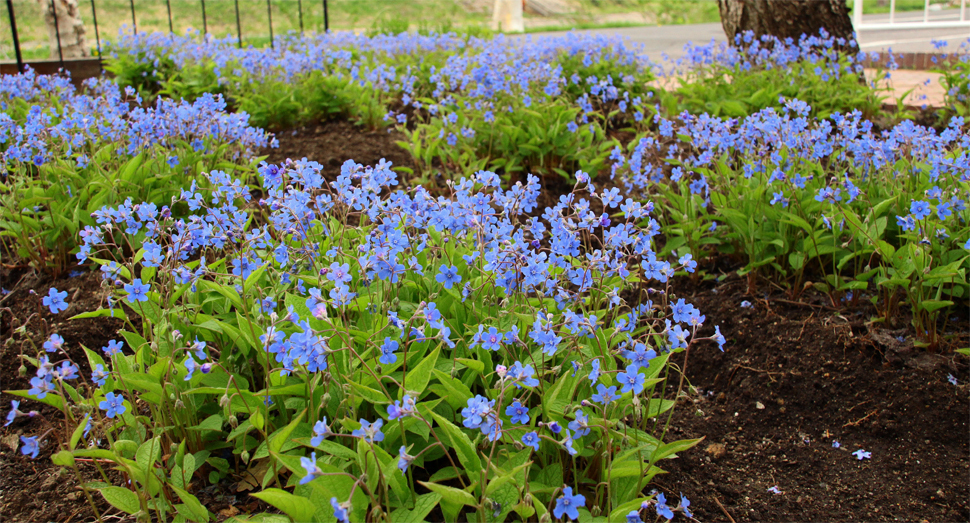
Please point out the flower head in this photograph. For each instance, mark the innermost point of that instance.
(55, 300)
(30, 446)
(113, 405)
(568, 504)
(137, 291)
(370, 432)
(311, 468)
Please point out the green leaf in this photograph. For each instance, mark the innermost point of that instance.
(668, 449)
(934, 305)
(371, 395)
(461, 443)
(148, 453)
(298, 508)
(196, 512)
(417, 378)
(422, 507)
(101, 313)
(276, 441)
(50, 399)
(121, 499)
(452, 494)
(63, 458)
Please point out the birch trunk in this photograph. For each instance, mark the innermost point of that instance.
(63, 18)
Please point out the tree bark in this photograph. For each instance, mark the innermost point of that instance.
(788, 19)
(64, 20)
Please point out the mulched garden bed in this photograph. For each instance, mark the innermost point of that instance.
(794, 378)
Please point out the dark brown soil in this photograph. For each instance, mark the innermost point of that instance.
(794, 378)
(36, 490)
(334, 142)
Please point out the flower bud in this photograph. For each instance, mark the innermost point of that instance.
(596, 511)
(179, 404)
(224, 401)
(244, 456)
(233, 421)
(22, 370)
(546, 518)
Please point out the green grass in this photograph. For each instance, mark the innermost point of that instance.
(581, 26)
(371, 16)
(873, 6)
(152, 15)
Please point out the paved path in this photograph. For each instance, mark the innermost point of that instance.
(670, 39)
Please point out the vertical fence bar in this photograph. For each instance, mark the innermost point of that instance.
(238, 26)
(857, 14)
(892, 11)
(326, 18)
(168, 6)
(205, 23)
(299, 7)
(269, 15)
(963, 10)
(134, 24)
(97, 36)
(57, 31)
(926, 11)
(16, 37)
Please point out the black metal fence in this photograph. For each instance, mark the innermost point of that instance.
(131, 7)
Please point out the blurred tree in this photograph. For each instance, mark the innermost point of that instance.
(63, 18)
(788, 18)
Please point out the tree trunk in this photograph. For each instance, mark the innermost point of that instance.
(64, 20)
(507, 16)
(788, 19)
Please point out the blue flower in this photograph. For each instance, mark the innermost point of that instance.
(404, 459)
(321, 431)
(137, 291)
(370, 432)
(594, 375)
(518, 413)
(862, 454)
(662, 508)
(919, 209)
(113, 405)
(312, 470)
(634, 517)
(387, 351)
(522, 374)
(55, 300)
(397, 410)
(476, 411)
(579, 426)
(98, 375)
(340, 510)
(684, 503)
(568, 504)
(40, 387)
(14, 412)
(532, 440)
(114, 347)
(54, 343)
(339, 273)
(719, 338)
(30, 446)
(631, 379)
(604, 395)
